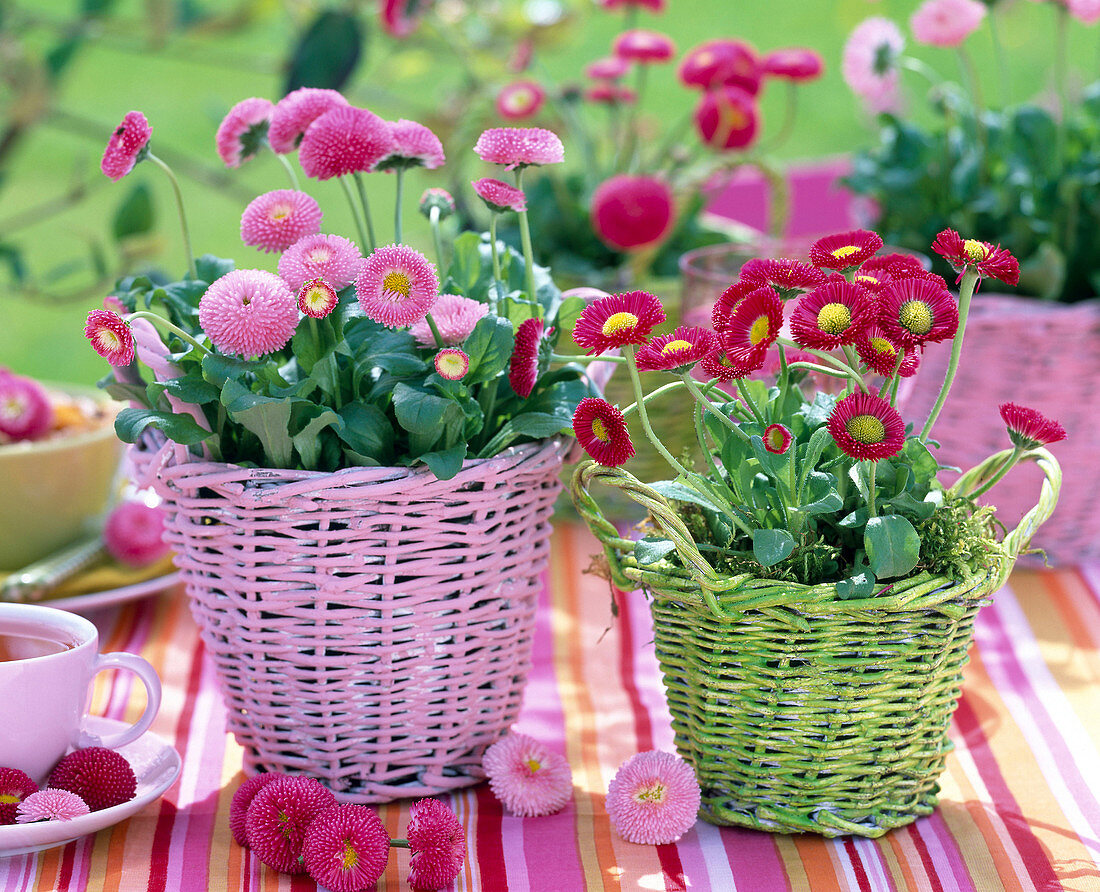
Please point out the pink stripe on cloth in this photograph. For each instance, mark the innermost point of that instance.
(945, 852)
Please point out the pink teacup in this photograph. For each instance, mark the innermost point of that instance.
(48, 659)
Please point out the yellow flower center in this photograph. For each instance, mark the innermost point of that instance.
(108, 340)
(675, 346)
(761, 327)
(866, 429)
(12, 408)
(655, 792)
(870, 280)
(775, 439)
(916, 316)
(8, 798)
(316, 298)
(734, 118)
(279, 212)
(350, 858)
(322, 254)
(534, 765)
(846, 251)
(599, 430)
(619, 322)
(976, 250)
(834, 318)
(396, 282)
(883, 346)
(452, 366)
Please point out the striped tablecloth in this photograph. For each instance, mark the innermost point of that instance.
(1019, 809)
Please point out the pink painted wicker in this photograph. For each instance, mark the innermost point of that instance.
(370, 627)
(1037, 354)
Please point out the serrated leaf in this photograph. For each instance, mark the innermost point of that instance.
(771, 546)
(892, 544)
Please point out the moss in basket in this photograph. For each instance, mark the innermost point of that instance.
(802, 486)
(355, 353)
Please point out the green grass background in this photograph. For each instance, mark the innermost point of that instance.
(185, 87)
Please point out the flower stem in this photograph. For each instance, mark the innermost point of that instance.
(1010, 463)
(701, 399)
(639, 397)
(1061, 54)
(289, 171)
(435, 329)
(650, 397)
(561, 357)
(334, 374)
(437, 238)
(354, 211)
(871, 469)
(525, 238)
(966, 293)
(362, 188)
(999, 53)
(493, 245)
(399, 843)
(179, 332)
(183, 215)
(399, 190)
(892, 378)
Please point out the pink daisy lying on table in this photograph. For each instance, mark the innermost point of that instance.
(346, 848)
(528, 778)
(437, 841)
(653, 799)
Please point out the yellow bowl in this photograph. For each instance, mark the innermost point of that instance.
(54, 491)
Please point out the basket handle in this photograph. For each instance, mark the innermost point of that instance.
(1018, 540)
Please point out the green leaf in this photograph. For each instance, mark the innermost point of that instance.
(366, 431)
(210, 268)
(817, 413)
(129, 423)
(892, 544)
(192, 389)
(771, 546)
(267, 418)
(13, 258)
(854, 520)
(650, 550)
(326, 52)
(134, 215)
(310, 419)
(217, 369)
(466, 268)
(822, 495)
(679, 492)
(858, 585)
(489, 347)
(447, 463)
(375, 346)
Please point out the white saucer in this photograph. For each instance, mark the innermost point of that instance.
(110, 597)
(156, 764)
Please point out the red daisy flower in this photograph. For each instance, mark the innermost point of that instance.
(833, 314)
(610, 68)
(1028, 428)
(344, 140)
(276, 220)
(982, 256)
(317, 298)
(242, 132)
(873, 280)
(519, 147)
(437, 841)
(127, 146)
(727, 118)
(452, 364)
(729, 301)
(844, 250)
(867, 427)
(110, 336)
(345, 848)
(101, 777)
(610, 94)
(617, 320)
(777, 439)
(881, 354)
(789, 277)
(722, 367)
(499, 196)
(631, 211)
(676, 352)
(891, 263)
(795, 64)
(722, 63)
(295, 112)
(754, 325)
(523, 369)
(602, 432)
(643, 46)
(520, 100)
(15, 786)
(913, 312)
(278, 817)
(242, 798)
(414, 145)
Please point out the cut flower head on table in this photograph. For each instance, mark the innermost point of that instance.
(357, 350)
(811, 487)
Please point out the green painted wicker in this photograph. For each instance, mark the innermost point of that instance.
(799, 711)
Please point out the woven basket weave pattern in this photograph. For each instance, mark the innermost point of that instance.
(798, 711)
(370, 627)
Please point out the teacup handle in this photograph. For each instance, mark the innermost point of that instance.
(148, 675)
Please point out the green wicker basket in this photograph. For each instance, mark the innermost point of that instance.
(799, 711)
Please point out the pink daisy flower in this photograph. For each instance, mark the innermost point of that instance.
(722, 63)
(520, 100)
(242, 798)
(344, 140)
(677, 352)
(609, 68)
(789, 277)
(867, 427)
(397, 286)
(754, 326)
(1028, 428)
(797, 64)
(643, 46)
(915, 312)
(727, 118)
(844, 250)
(1087, 12)
(26, 412)
(317, 298)
(653, 799)
(15, 786)
(454, 316)
(437, 841)
(278, 817)
(833, 314)
(891, 263)
(248, 312)
(617, 320)
(519, 147)
(110, 336)
(729, 300)
(50, 805)
(870, 63)
(880, 354)
(295, 112)
(777, 439)
(601, 430)
(630, 212)
(134, 533)
(414, 145)
(610, 94)
(276, 220)
(946, 23)
(345, 848)
(437, 198)
(452, 364)
(523, 368)
(982, 256)
(241, 133)
(127, 146)
(400, 17)
(499, 196)
(330, 257)
(528, 778)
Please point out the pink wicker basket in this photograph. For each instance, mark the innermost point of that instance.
(1037, 354)
(370, 627)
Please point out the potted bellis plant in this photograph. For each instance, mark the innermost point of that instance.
(358, 453)
(813, 583)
